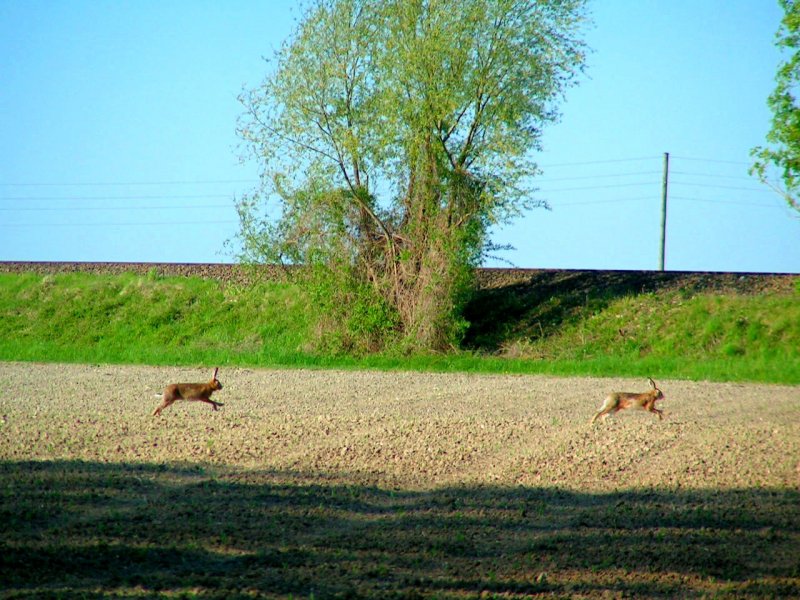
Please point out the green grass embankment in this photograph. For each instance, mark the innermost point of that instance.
(562, 328)
(150, 320)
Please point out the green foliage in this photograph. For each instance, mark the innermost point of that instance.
(784, 136)
(391, 135)
(352, 318)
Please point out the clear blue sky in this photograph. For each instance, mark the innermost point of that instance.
(117, 135)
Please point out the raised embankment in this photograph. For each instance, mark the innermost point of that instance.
(488, 278)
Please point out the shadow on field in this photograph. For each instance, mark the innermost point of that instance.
(78, 529)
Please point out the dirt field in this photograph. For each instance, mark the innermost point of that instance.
(410, 430)
(407, 485)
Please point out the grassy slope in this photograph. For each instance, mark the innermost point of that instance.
(134, 319)
(621, 325)
(697, 326)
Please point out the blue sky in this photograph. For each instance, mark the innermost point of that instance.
(117, 135)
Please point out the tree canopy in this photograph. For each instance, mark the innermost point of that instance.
(783, 152)
(391, 135)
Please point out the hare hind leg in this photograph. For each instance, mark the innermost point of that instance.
(162, 406)
(602, 413)
(610, 405)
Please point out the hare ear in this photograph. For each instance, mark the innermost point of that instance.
(653, 383)
(216, 370)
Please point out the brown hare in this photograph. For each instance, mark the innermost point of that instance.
(617, 401)
(191, 391)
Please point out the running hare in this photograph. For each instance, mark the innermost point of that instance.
(191, 391)
(622, 400)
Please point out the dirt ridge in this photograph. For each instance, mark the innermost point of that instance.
(488, 278)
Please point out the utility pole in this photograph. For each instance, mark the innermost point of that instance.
(664, 189)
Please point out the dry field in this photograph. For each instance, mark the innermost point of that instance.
(366, 484)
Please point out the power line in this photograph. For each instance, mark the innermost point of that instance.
(598, 162)
(101, 208)
(726, 202)
(610, 201)
(723, 187)
(711, 160)
(546, 180)
(713, 176)
(164, 202)
(107, 198)
(119, 224)
(126, 183)
(598, 187)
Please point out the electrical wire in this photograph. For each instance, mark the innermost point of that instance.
(720, 187)
(546, 180)
(597, 187)
(598, 162)
(109, 198)
(676, 183)
(127, 183)
(712, 175)
(610, 201)
(102, 208)
(709, 160)
(725, 202)
(119, 224)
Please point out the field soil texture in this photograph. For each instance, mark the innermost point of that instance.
(359, 484)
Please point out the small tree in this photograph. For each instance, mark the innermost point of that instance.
(392, 134)
(784, 137)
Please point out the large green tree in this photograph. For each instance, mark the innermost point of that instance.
(392, 134)
(783, 153)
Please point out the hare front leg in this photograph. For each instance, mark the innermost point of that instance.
(213, 404)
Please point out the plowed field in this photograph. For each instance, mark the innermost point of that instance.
(370, 484)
